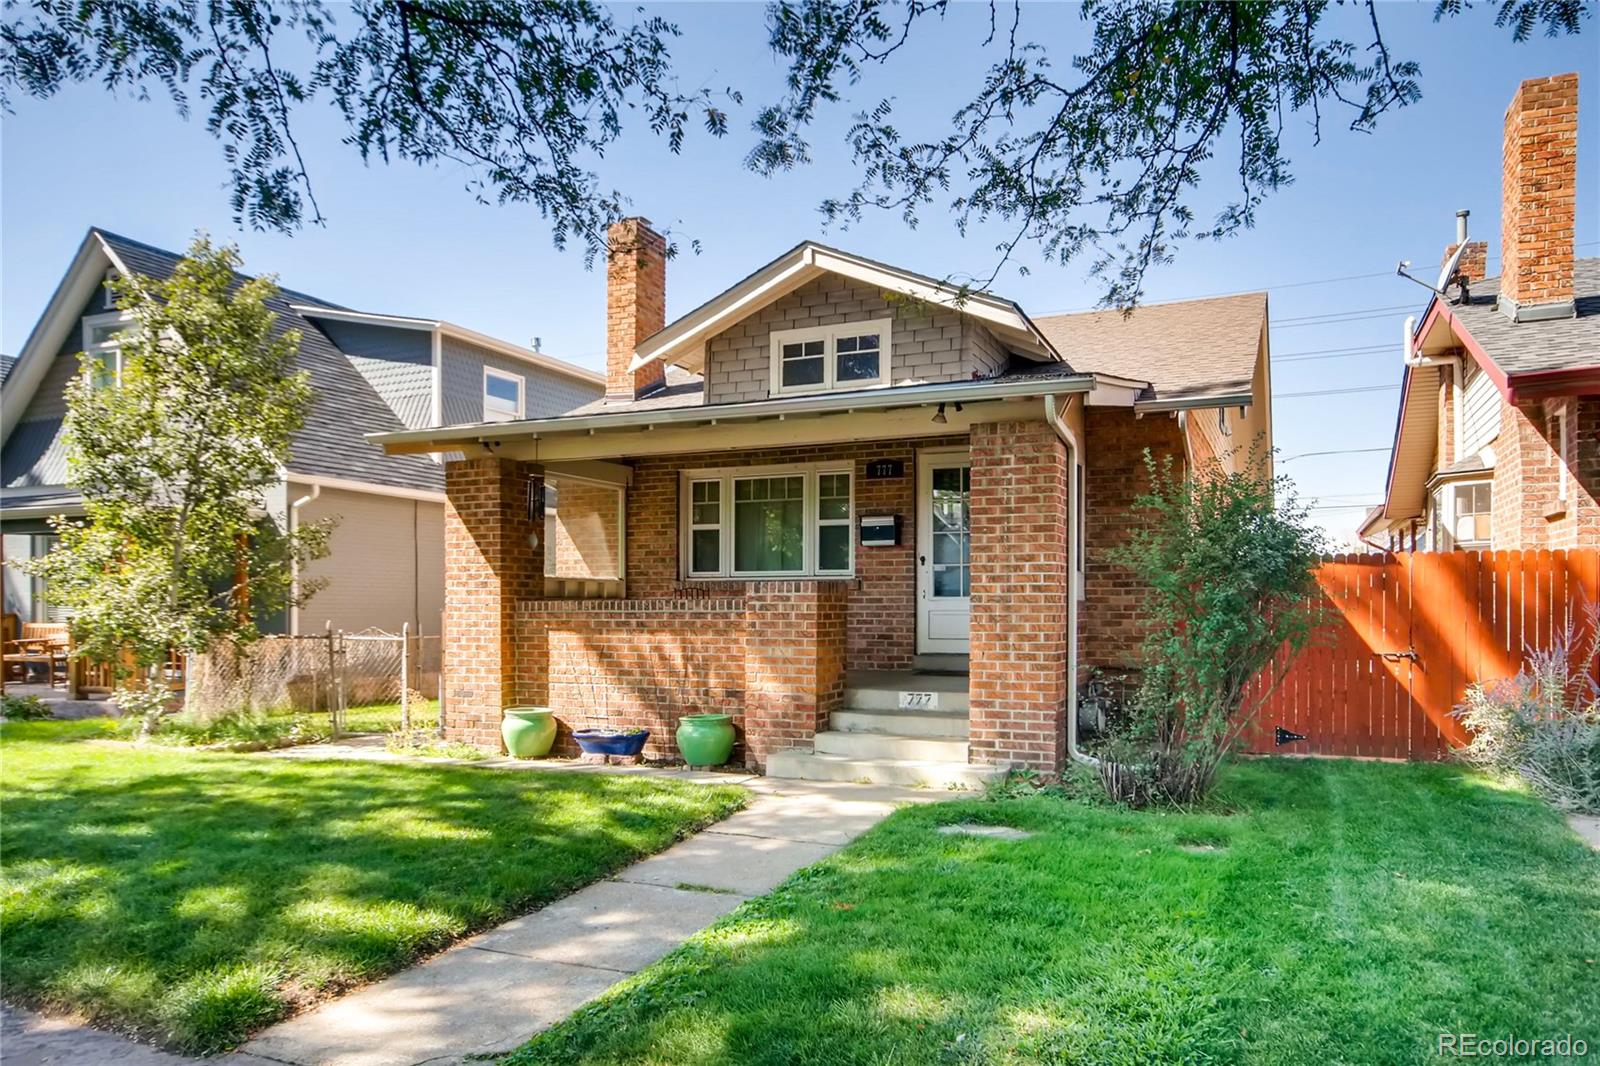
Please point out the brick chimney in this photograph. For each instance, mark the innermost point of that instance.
(636, 305)
(1539, 199)
(1474, 262)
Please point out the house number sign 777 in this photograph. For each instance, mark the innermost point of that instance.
(919, 701)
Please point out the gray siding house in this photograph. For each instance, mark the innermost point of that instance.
(369, 373)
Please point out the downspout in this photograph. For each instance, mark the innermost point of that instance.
(294, 524)
(1052, 415)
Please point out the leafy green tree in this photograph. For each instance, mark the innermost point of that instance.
(1100, 153)
(174, 452)
(1225, 561)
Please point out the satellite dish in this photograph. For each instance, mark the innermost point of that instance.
(1450, 265)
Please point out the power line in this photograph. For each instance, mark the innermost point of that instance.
(1333, 392)
(1336, 451)
(1356, 311)
(1373, 349)
(1331, 351)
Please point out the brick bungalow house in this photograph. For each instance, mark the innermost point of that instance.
(1497, 445)
(864, 514)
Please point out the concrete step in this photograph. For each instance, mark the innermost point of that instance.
(890, 746)
(878, 696)
(951, 664)
(905, 723)
(803, 765)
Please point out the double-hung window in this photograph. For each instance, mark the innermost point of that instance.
(792, 521)
(102, 346)
(846, 356)
(502, 396)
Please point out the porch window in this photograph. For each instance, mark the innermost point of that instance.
(502, 396)
(1461, 517)
(791, 521)
(102, 347)
(847, 355)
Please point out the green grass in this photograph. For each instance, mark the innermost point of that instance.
(193, 897)
(1349, 913)
(281, 727)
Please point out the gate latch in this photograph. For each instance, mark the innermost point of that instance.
(1396, 656)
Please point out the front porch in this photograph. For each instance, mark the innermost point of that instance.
(819, 670)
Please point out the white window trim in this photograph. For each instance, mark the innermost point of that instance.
(1560, 444)
(90, 348)
(726, 476)
(1444, 504)
(522, 395)
(827, 334)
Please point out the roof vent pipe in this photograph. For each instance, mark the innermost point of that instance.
(1461, 226)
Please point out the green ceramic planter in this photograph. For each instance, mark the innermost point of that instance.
(705, 739)
(528, 731)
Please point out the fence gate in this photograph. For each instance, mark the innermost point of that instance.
(1401, 638)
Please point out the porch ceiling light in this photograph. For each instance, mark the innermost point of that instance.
(938, 416)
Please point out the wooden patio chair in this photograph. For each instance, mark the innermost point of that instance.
(41, 643)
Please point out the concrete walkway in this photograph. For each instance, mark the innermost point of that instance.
(494, 991)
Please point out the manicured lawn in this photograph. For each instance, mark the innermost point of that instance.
(197, 896)
(1342, 913)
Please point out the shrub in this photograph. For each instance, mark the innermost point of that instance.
(1225, 563)
(24, 707)
(243, 729)
(1543, 725)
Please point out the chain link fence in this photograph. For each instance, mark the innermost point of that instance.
(370, 681)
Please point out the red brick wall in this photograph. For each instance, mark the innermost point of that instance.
(1109, 630)
(1528, 512)
(1539, 191)
(490, 565)
(880, 601)
(771, 654)
(1019, 594)
(632, 663)
(794, 663)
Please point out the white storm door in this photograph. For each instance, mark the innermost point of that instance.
(944, 551)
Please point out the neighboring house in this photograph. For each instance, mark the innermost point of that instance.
(369, 374)
(1498, 440)
(842, 502)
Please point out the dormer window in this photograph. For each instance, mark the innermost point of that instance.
(849, 355)
(102, 347)
(502, 396)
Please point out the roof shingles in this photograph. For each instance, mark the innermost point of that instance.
(1548, 344)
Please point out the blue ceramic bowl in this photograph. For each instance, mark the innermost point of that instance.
(602, 742)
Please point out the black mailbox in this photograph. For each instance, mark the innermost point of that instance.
(880, 530)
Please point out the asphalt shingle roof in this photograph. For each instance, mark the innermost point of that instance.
(1551, 344)
(345, 406)
(1185, 348)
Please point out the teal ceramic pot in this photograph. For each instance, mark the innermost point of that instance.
(528, 731)
(705, 739)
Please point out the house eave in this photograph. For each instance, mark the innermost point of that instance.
(682, 342)
(452, 438)
(1200, 401)
(454, 332)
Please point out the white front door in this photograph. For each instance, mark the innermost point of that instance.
(944, 551)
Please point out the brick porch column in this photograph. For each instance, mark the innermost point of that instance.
(1018, 684)
(490, 563)
(794, 663)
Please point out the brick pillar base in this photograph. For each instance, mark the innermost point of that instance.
(1018, 683)
(794, 663)
(491, 562)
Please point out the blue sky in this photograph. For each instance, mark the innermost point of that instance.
(408, 240)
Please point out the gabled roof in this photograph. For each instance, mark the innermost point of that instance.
(1534, 355)
(682, 342)
(1187, 349)
(345, 407)
(1525, 360)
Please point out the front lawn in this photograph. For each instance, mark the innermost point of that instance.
(1341, 913)
(195, 896)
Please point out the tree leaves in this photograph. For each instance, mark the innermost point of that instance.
(174, 458)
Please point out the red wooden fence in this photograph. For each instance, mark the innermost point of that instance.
(1404, 635)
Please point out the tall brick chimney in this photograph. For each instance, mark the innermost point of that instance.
(1539, 199)
(636, 305)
